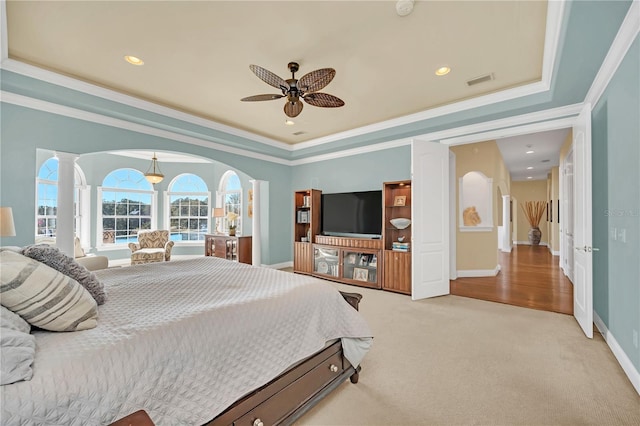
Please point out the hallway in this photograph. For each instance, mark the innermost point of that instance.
(530, 277)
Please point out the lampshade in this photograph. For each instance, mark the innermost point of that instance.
(153, 174)
(218, 212)
(7, 227)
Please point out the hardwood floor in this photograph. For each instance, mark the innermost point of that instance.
(530, 277)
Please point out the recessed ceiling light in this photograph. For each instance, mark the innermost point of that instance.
(529, 177)
(529, 168)
(133, 60)
(443, 71)
(529, 152)
(289, 122)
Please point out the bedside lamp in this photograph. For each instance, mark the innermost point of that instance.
(218, 212)
(7, 227)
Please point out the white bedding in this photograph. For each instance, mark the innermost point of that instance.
(182, 340)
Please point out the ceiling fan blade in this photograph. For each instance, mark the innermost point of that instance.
(269, 77)
(293, 109)
(323, 100)
(261, 98)
(316, 80)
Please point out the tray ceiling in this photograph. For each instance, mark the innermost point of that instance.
(197, 54)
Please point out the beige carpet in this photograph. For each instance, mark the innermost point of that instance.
(458, 361)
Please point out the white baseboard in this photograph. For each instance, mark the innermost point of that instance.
(282, 265)
(526, 243)
(470, 273)
(623, 359)
(507, 250)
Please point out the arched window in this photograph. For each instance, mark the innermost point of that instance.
(128, 204)
(47, 198)
(188, 206)
(230, 193)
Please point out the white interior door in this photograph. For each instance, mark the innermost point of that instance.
(566, 224)
(430, 224)
(582, 236)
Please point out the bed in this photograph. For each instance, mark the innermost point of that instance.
(200, 341)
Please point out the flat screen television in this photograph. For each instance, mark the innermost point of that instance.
(352, 214)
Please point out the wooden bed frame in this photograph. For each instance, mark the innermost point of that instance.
(287, 397)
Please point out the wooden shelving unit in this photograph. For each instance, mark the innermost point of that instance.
(306, 219)
(396, 199)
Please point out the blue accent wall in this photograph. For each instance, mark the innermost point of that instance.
(25, 130)
(616, 204)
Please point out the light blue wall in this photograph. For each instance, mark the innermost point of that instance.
(361, 172)
(24, 131)
(616, 203)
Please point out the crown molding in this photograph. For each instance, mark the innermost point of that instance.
(621, 44)
(552, 119)
(47, 76)
(353, 151)
(40, 105)
(472, 131)
(519, 130)
(555, 13)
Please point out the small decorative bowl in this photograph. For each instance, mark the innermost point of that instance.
(400, 222)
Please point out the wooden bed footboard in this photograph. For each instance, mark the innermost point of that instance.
(287, 397)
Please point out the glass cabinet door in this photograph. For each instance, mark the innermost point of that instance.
(326, 261)
(360, 266)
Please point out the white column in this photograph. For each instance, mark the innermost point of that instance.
(65, 211)
(506, 224)
(256, 232)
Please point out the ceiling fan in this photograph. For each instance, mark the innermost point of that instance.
(294, 90)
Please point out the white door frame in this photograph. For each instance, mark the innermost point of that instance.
(554, 120)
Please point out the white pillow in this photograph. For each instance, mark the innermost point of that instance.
(17, 348)
(43, 296)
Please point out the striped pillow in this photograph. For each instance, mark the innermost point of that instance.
(43, 296)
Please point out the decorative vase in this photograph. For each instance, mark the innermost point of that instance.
(232, 232)
(534, 236)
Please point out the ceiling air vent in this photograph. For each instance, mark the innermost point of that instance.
(545, 161)
(298, 133)
(481, 79)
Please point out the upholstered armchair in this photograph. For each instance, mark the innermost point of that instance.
(152, 246)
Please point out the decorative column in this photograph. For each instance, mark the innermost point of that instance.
(506, 223)
(65, 211)
(256, 239)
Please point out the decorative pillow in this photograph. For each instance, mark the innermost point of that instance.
(53, 257)
(17, 351)
(43, 296)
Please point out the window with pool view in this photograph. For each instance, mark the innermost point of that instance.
(188, 199)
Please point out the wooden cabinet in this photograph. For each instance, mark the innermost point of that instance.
(306, 219)
(397, 272)
(352, 261)
(396, 199)
(228, 247)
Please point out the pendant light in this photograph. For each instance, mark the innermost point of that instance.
(153, 173)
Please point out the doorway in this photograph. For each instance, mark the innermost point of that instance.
(529, 275)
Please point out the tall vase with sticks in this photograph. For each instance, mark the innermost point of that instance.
(533, 211)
